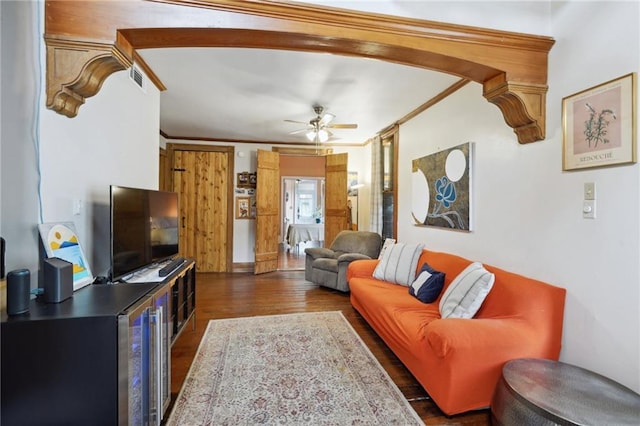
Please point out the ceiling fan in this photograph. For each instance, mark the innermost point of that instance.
(317, 129)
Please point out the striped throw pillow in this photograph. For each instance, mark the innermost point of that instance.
(467, 291)
(398, 264)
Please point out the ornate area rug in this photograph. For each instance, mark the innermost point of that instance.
(309, 368)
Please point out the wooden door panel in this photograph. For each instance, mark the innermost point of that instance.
(335, 196)
(267, 211)
(211, 222)
(200, 177)
(183, 181)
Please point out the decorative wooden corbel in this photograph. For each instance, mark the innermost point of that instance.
(522, 105)
(76, 71)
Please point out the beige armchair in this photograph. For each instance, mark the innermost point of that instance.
(328, 266)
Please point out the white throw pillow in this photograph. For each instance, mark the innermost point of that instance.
(388, 242)
(465, 295)
(398, 263)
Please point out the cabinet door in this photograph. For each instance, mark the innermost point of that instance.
(191, 277)
(137, 397)
(178, 305)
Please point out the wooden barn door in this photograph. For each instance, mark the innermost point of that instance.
(267, 211)
(335, 219)
(201, 178)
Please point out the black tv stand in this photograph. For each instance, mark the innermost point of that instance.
(183, 290)
(171, 266)
(183, 294)
(71, 359)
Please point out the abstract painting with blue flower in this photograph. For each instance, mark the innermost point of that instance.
(441, 191)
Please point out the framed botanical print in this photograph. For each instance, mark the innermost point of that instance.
(598, 125)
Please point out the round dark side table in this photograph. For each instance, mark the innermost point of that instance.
(543, 392)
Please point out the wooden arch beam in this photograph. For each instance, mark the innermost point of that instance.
(88, 41)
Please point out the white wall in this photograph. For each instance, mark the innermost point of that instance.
(18, 172)
(1, 50)
(113, 140)
(603, 270)
(527, 211)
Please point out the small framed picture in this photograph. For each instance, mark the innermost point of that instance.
(246, 180)
(252, 208)
(598, 125)
(243, 208)
(242, 180)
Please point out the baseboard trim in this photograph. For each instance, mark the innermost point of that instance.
(243, 267)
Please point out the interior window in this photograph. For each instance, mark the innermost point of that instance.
(388, 159)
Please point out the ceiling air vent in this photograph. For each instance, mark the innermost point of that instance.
(138, 77)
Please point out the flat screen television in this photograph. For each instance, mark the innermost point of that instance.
(144, 229)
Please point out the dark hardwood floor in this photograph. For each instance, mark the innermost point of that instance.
(230, 295)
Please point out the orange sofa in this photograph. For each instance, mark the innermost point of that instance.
(459, 361)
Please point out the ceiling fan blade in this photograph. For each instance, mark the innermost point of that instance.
(326, 119)
(343, 126)
(295, 132)
(297, 122)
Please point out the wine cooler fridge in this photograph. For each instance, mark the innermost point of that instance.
(145, 372)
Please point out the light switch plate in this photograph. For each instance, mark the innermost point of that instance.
(589, 191)
(77, 207)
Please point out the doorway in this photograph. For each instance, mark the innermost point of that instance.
(302, 222)
(269, 220)
(302, 195)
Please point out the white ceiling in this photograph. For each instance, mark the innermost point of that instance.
(246, 94)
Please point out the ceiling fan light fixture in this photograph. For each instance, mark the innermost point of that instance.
(323, 135)
(318, 128)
